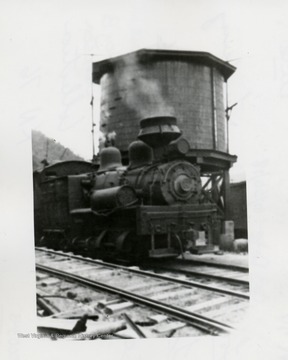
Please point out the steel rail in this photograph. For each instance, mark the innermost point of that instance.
(211, 326)
(198, 285)
(207, 263)
(163, 277)
(208, 276)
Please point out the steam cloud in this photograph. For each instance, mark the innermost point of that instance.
(140, 93)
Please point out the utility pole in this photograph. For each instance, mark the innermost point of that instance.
(92, 113)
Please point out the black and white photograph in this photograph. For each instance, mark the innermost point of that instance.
(156, 196)
(143, 179)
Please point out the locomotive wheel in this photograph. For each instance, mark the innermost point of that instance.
(55, 242)
(49, 241)
(42, 242)
(129, 247)
(58, 241)
(124, 245)
(73, 243)
(63, 243)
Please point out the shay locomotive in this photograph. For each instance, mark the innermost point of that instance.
(153, 207)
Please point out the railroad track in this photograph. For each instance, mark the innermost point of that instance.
(236, 275)
(186, 307)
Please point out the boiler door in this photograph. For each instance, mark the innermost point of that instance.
(181, 183)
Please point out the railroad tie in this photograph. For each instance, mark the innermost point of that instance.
(171, 294)
(174, 325)
(208, 304)
(229, 309)
(112, 309)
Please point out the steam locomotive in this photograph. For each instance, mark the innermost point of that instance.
(153, 207)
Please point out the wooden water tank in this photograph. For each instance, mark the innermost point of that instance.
(146, 83)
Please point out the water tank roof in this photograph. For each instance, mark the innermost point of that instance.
(144, 56)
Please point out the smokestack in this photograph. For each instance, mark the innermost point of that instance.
(158, 131)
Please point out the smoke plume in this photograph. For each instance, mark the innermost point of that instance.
(140, 93)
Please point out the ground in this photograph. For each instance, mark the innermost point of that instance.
(227, 258)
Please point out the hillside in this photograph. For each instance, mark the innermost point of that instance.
(47, 148)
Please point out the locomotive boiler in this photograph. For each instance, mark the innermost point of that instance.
(153, 207)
